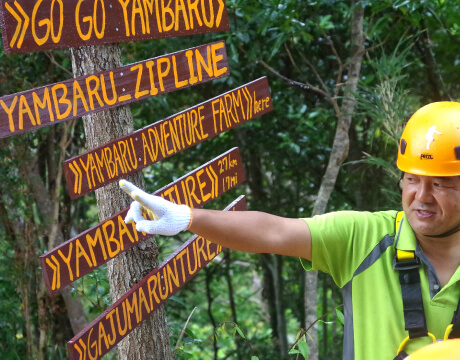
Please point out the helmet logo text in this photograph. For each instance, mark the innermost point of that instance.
(426, 156)
(430, 136)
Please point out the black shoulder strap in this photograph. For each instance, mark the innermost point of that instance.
(407, 264)
(455, 333)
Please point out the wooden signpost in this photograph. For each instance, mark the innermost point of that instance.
(94, 247)
(36, 25)
(149, 294)
(47, 105)
(142, 148)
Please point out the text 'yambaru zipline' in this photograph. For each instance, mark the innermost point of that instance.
(39, 25)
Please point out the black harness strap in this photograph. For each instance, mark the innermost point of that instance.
(455, 333)
(401, 356)
(407, 263)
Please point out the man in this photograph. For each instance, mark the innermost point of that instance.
(399, 272)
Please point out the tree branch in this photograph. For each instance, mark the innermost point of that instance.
(305, 86)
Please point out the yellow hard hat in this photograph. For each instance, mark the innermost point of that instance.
(441, 350)
(430, 143)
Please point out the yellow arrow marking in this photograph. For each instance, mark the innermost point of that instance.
(56, 276)
(78, 175)
(248, 101)
(26, 24)
(18, 27)
(219, 14)
(215, 183)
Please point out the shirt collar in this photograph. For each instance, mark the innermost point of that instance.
(405, 237)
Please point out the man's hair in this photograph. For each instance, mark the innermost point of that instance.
(399, 182)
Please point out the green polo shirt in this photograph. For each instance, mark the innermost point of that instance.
(357, 249)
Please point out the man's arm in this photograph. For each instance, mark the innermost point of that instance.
(255, 232)
(248, 231)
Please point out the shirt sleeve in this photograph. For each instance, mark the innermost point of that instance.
(342, 240)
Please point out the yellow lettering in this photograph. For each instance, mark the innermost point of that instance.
(67, 260)
(211, 255)
(161, 73)
(202, 185)
(181, 7)
(87, 170)
(123, 229)
(78, 94)
(148, 8)
(86, 19)
(112, 327)
(9, 111)
(193, 6)
(137, 9)
(94, 344)
(138, 93)
(216, 58)
(124, 5)
(45, 22)
(201, 63)
(152, 290)
(132, 308)
(147, 147)
(200, 250)
(120, 330)
(114, 90)
(25, 109)
(62, 100)
(180, 257)
(92, 243)
(110, 239)
(178, 83)
(190, 271)
(79, 253)
(172, 275)
(46, 103)
(142, 300)
(191, 192)
(93, 92)
(189, 55)
(209, 23)
(99, 34)
(109, 161)
(167, 10)
(201, 118)
(153, 90)
(165, 288)
(117, 159)
(102, 335)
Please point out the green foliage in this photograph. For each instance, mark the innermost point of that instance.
(284, 153)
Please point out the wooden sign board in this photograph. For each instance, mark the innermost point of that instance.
(37, 25)
(115, 323)
(142, 148)
(96, 246)
(47, 105)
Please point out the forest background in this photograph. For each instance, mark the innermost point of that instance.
(310, 51)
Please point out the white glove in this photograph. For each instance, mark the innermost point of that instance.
(172, 218)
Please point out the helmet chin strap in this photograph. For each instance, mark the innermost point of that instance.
(446, 234)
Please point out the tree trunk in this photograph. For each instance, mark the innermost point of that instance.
(338, 155)
(151, 339)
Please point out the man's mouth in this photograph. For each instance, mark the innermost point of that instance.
(424, 213)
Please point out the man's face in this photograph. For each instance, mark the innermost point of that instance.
(431, 204)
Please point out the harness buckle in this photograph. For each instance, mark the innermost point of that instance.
(406, 264)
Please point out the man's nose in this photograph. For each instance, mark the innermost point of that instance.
(424, 192)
